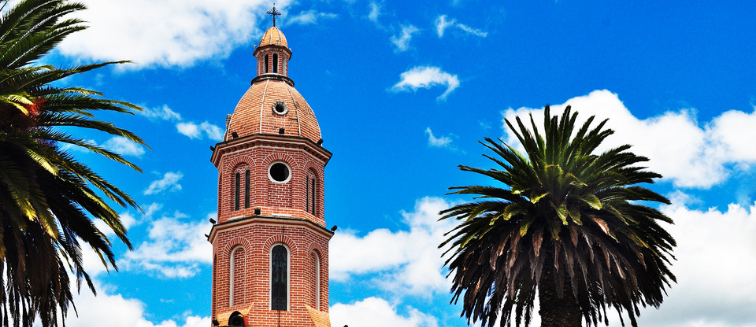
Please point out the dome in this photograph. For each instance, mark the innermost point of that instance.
(269, 105)
(273, 36)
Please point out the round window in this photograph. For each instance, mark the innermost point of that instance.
(280, 107)
(279, 172)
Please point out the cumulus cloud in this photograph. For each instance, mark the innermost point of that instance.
(169, 182)
(375, 11)
(679, 148)
(426, 77)
(119, 311)
(406, 261)
(188, 128)
(161, 113)
(169, 34)
(376, 312)
(128, 220)
(442, 24)
(437, 142)
(194, 131)
(402, 41)
(174, 249)
(716, 262)
(123, 146)
(309, 17)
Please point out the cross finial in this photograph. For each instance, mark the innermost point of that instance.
(273, 12)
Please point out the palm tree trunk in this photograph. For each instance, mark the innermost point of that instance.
(555, 311)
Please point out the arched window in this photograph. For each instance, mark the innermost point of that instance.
(279, 277)
(313, 194)
(246, 189)
(237, 178)
(236, 278)
(266, 64)
(316, 282)
(275, 63)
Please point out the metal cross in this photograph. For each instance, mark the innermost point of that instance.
(273, 12)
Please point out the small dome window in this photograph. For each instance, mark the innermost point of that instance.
(280, 107)
(279, 172)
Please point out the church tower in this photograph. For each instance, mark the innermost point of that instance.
(270, 243)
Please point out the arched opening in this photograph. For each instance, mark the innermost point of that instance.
(311, 192)
(275, 63)
(279, 277)
(236, 277)
(246, 189)
(313, 195)
(266, 65)
(237, 182)
(316, 281)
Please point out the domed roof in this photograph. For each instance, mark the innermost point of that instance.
(270, 105)
(273, 36)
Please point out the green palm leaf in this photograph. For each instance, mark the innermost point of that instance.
(49, 200)
(566, 228)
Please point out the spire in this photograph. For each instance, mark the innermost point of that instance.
(273, 12)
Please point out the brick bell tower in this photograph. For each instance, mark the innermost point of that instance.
(270, 243)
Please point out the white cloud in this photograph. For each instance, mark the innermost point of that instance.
(174, 248)
(190, 129)
(376, 312)
(309, 17)
(128, 220)
(407, 261)
(715, 269)
(162, 113)
(195, 131)
(426, 77)
(438, 142)
(402, 41)
(442, 24)
(123, 146)
(169, 182)
(679, 148)
(164, 33)
(473, 31)
(375, 11)
(76, 148)
(116, 311)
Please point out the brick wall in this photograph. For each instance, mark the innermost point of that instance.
(254, 240)
(273, 198)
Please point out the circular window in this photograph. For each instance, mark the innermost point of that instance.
(279, 172)
(280, 107)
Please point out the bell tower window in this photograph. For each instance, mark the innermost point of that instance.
(275, 63)
(311, 194)
(314, 198)
(279, 276)
(246, 189)
(316, 283)
(237, 181)
(236, 278)
(266, 65)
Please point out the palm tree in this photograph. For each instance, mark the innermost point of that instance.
(570, 226)
(48, 199)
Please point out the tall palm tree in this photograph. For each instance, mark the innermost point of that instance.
(48, 199)
(569, 225)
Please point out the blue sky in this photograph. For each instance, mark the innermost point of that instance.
(403, 91)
